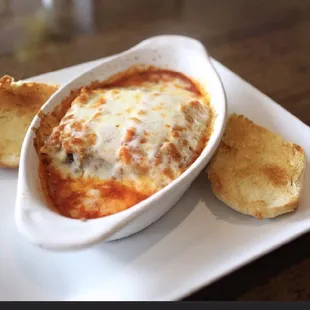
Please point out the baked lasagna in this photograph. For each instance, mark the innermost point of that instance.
(112, 144)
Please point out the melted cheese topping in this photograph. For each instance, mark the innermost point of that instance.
(117, 146)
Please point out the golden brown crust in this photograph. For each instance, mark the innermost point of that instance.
(255, 171)
(19, 103)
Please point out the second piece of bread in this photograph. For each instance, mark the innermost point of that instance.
(255, 171)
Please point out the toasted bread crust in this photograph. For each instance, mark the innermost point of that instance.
(19, 103)
(255, 171)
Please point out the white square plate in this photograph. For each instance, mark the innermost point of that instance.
(196, 243)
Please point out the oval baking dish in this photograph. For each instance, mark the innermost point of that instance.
(47, 228)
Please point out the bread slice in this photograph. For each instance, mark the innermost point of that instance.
(255, 171)
(19, 103)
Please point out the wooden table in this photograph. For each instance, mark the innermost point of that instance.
(267, 42)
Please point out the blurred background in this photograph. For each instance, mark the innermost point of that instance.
(266, 42)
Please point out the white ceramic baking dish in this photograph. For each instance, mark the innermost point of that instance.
(47, 229)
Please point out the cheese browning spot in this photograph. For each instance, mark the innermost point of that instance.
(129, 135)
(101, 101)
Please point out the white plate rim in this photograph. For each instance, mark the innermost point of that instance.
(303, 229)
